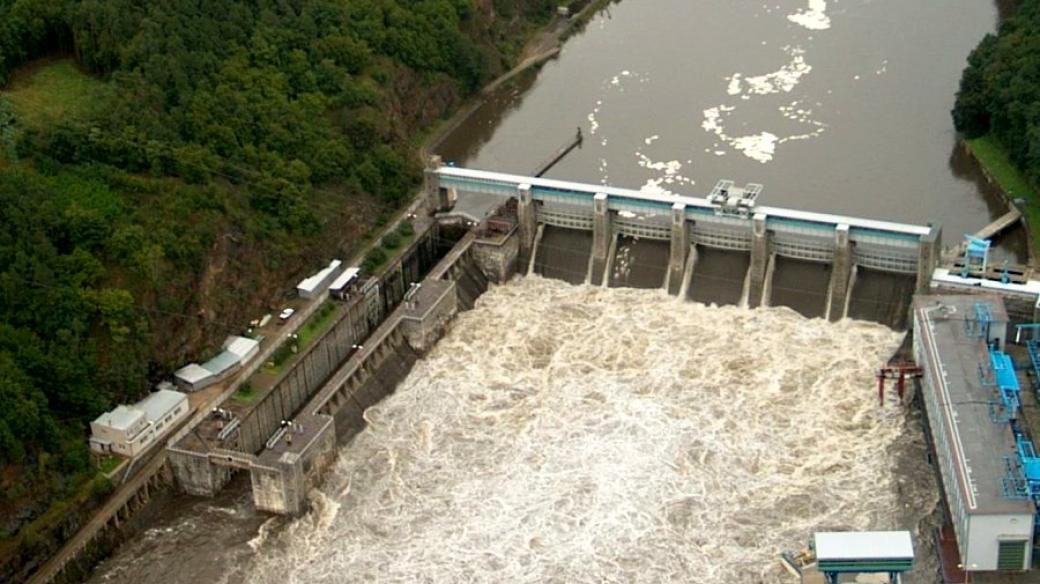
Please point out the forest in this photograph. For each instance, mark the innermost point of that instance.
(220, 143)
(1000, 89)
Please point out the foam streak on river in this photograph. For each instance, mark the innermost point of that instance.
(576, 434)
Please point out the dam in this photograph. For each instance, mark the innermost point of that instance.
(722, 249)
(818, 265)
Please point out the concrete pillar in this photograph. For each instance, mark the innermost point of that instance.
(841, 270)
(680, 245)
(927, 257)
(526, 216)
(436, 197)
(601, 236)
(757, 270)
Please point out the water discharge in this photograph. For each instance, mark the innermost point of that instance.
(583, 434)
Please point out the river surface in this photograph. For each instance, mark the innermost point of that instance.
(567, 433)
(835, 106)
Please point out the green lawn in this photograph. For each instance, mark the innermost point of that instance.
(245, 394)
(107, 464)
(52, 90)
(994, 158)
(322, 318)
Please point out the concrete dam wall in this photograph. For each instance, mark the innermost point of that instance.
(722, 250)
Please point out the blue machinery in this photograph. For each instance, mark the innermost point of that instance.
(976, 259)
(1022, 472)
(976, 253)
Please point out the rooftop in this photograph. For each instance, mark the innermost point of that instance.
(192, 373)
(866, 545)
(120, 418)
(240, 346)
(312, 282)
(979, 443)
(159, 403)
(345, 278)
(221, 363)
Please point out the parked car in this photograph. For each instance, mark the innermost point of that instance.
(286, 314)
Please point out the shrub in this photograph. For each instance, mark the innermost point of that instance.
(374, 259)
(391, 240)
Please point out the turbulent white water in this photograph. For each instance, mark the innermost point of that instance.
(575, 434)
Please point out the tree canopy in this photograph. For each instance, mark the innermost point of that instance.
(238, 124)
(1000, 89)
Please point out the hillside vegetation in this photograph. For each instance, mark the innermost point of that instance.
(168, 167)
(1000, 89)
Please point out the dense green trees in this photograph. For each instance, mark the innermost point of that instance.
(1000, 89)
(249, 121)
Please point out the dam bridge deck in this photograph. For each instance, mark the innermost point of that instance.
(630, 228)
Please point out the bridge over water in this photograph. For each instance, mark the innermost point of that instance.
(718, 249)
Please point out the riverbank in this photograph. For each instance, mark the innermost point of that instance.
(1013, 185)
(543, 46)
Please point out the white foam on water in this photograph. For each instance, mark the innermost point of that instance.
(734, 84)
(814, 17)
(650, 140)
(593, 124)
(670, 175)
(760, 147)
(782, 80)
(581, 434)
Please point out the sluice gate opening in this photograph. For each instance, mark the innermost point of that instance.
(801, 285)
(882, 297)
(563, 253)
(718, 276)
(639, 263)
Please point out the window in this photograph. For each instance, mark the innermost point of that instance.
(1011, 555)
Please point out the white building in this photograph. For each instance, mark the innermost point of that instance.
(237, 352)
(193, 377)
(243, 348)
(130, 430)
(994, 526)
(342, 285)
(312, 286)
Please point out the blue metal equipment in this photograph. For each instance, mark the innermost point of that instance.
(1022, 472)
(976, 254)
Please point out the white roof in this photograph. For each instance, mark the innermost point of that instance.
(866, 545)
(240, 346)
(313, 282)
(120, 418)
(345, 278)
(159, 403)
(192, 373)
(946, 276)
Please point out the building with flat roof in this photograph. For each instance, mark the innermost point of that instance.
(969, 389)
(311, 286)
(237, 352)
(130, 430)
(193, 377)
(243, 348)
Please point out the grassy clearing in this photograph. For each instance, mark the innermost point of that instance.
(245, 393)
(109, 463)
(994, 159)
(44, 92)
(322, 318)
